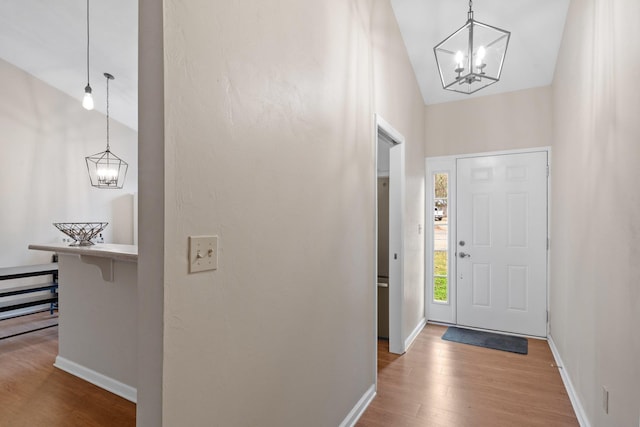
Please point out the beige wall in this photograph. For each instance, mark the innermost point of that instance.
(269, 110)
(595, 269)
(44, 138)
(508, 121)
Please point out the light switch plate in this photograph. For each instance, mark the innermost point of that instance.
(203, 253)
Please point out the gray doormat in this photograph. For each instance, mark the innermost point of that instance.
(487, 339)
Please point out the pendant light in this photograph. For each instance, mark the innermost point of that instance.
(87, 101)
(106, 170)
(471, 58)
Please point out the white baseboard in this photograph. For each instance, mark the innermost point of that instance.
(414, 334)
(357, 411)
(96, 378)
(571, 391)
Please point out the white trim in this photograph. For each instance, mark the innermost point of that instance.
(96, 378)
(396, 246)
(583, 420)
(493, 153)
(356, 412)
(381, 123)
(549, 242)
(396, 242)
(375, 252)
(440, 311)
(414, 334)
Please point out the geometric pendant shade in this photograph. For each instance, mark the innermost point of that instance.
(472, 57)
(106, 170)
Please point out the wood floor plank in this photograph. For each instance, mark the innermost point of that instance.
(35, 393)
(458, 385)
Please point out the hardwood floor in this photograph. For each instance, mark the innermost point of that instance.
(436, 383)
(33, 393)
(440, 383)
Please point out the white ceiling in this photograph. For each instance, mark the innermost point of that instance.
(536, 28)
(48, 39)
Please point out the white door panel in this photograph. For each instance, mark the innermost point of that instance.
(502, 242)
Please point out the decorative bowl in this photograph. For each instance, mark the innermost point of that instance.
(81, 232)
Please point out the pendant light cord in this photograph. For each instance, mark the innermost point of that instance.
(108, 113)
(88, 43)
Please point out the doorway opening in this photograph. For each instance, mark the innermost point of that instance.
(389, 264)
(487, 246)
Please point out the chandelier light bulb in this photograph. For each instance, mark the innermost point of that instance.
(480, 55)
(107, 176)
(87, 101)
(480, 64)
(460, 59)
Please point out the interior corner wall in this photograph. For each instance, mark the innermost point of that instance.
(508, 121)
(595, 218)
(269, 143)
(45, 136)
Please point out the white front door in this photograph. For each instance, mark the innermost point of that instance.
(501, 243)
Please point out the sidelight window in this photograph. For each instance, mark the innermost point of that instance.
(440, 238)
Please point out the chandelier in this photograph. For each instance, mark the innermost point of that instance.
(471, 58)
(106, 170)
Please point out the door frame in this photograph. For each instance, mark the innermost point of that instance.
(443, 312)
(396, 235)
(448, 164)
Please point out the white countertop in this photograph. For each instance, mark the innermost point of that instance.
(106, 250)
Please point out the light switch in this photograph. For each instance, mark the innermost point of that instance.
(203, 253)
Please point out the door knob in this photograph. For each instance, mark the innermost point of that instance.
(463, 255)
